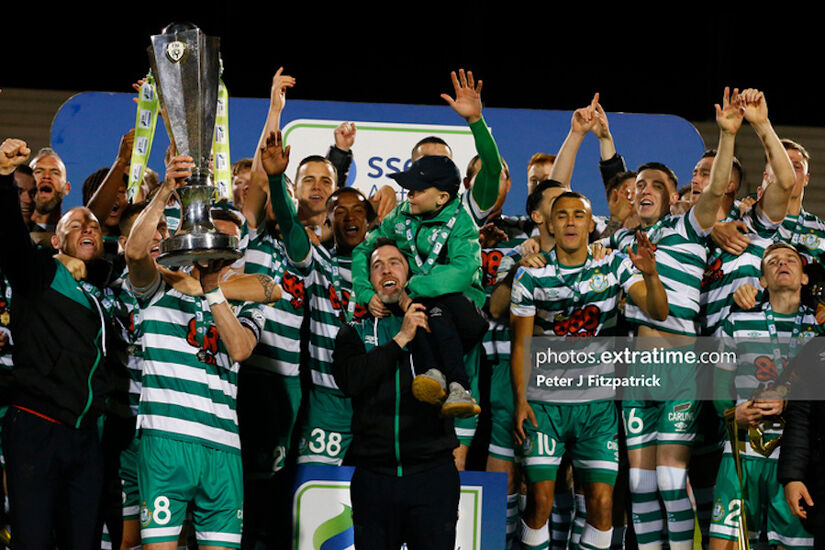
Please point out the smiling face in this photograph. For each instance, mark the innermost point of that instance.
(78, 234)
(654, 195)
(782, 270)
(315, 183)
(50, 181)
(348, 214)
(121, 201)
(700, 179)
(571, 221)
(388, 273)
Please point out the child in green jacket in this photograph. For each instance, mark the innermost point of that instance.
(440, 241)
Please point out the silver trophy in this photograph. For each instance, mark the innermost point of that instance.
(185, 64)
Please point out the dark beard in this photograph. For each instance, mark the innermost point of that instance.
(49, 206)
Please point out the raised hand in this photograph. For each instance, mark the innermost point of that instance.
(273, 155)
(754, 106)
(13, 153)
(600, 125)
(585, 118)
(277, 95)
(729, 115)
(467, 102)
(124, 152)
(644, 259)
(345, 136)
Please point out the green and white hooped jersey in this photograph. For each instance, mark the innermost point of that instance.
(681, 258)
(806, 231)
(128, 321)
(725, 272)
(574, 301)
(329, 288)
(279, 349)
(189, 382)
(748, 334)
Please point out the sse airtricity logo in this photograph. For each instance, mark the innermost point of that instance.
(336, 533)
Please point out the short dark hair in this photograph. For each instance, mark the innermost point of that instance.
(775, 246)
(318, 158)
(371, 213)
(127, 218)
(662, 168)
(430, 139)
(386, 241)
(91, 184)
(572, 195)
(25, 169)
(617, 180)
(790, 144)
(226, 214)
(736, 164)
(534, 199)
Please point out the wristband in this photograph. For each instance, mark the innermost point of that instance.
(214, 297)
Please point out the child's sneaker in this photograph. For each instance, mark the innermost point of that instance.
(459, 403)
(430, 387)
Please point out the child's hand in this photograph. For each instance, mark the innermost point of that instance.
(377, 307)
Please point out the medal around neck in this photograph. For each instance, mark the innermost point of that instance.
(185, 64)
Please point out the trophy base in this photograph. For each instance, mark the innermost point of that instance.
(188, 248)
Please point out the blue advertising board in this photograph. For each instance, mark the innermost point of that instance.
(322, 510)
(86, 132)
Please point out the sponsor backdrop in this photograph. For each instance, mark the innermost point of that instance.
(322, 510)
(87, 129)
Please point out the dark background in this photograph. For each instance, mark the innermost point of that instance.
(673, 59)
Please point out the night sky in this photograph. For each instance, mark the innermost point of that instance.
(674, 61)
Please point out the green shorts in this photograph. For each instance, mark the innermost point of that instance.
(648, 423)
(327, 431)
(589, 431)
(172, 475)
(267, 409)
(765, 505)
(129, 480)
(502, 411)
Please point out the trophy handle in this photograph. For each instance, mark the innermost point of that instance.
(733, 434)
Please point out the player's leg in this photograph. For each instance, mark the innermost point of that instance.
(640, 428)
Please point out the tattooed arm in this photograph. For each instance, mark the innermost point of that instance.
(243, 288)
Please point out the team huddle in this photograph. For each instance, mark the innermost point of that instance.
(212, 382)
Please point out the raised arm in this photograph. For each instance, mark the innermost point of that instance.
(467, 104)
(104, 198)
(239, 340)
(143, 271)
(582, 122)
(254, 209)
(17, 252)
(275, 159)
(778, 192)
(729, 119)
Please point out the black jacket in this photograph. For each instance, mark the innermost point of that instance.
(57, 326)
(393, 433)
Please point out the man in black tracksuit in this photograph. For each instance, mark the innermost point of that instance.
(50, 439)
(801, 467)
(405, 487)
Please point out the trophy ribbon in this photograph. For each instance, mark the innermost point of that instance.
(222, 165)
(145, 123)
